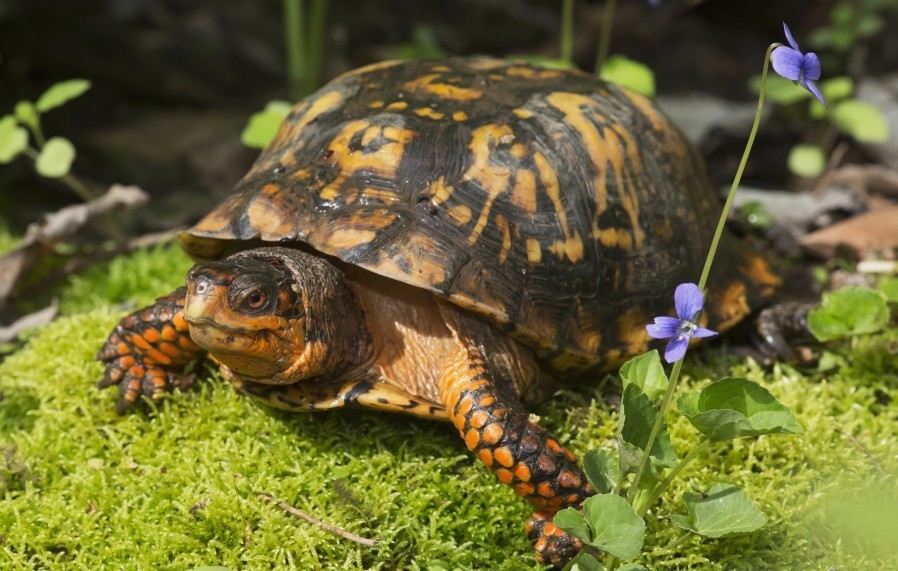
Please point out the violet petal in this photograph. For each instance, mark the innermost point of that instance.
(688, 300)
(809, 85)
(664, 327)
(676, 349)
(811, 67)
(787, 62)
(790, 39)
(702, 332)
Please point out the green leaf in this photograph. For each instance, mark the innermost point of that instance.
(570, 520)
(849, 311)
(583, 561)
(638, 415)
(735, 408)
(756, 214)
(341, 472)
(837, 88)
(56, 158)
(601, 467)
(861, 120)
(724, 510)
(779, 89)
(646, 372)
(616, 529)
(211, 568)
(633, 567)
(543, 61)
(806, 160)
(13, 139)
(629, 73)
(264, 125)
(26, 114)
(889, 287)
(60, 93)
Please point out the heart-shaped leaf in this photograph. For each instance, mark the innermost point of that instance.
(572, 522)
(56, 158)
(601, 468)
(734, 408)
(13, 139)
(264, 125)
(723, 510)
(616, 529)
(853, 310)
(646, 372)
(638, 415)
(61, 93)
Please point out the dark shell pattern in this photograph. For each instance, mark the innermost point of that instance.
(563, 208)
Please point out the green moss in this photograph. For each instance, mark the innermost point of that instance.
(85, 489)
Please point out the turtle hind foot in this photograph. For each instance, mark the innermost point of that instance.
(552, 545)
(778, 330)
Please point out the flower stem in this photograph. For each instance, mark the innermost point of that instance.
(662, 487)
(567, 30)
(293, 25)
(605, 35)
(703, 281)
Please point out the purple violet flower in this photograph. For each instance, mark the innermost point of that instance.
(802, 69)
(688, 300)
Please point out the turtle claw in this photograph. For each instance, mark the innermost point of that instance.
(553, 546)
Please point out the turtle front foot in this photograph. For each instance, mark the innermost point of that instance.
(146, 353)
(553, 546)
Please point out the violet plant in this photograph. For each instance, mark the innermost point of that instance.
(630, 480)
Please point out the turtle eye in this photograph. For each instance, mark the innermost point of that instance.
(256, 299)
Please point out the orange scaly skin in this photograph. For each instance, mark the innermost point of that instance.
(521, 453)
(147, 351)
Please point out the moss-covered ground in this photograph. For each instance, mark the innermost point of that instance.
(177, 488)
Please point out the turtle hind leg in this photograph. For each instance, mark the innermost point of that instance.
(484, 407)
(146, 353)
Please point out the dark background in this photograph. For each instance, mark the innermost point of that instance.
(174, 81)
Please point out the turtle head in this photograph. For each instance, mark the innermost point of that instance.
(275, 316)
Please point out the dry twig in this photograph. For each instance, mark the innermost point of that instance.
(325, 526)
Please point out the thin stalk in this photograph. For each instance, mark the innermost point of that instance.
(662, 487)
(293, 23)
(567, 29)
(675, 373)
(317, 25)
(605, 35)
(729, 202)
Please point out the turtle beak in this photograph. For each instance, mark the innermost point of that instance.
(206, 296)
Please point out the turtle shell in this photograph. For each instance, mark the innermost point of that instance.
(563, 208)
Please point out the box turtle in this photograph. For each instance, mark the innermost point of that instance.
(447, 239)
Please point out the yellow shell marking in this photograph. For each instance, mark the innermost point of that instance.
(494, 180)
(572, 246)
(426, 84)
(460, 116)
(429, 113)
(319, 106)
(570, 104)
(534, 252)
(524, 193)
(269, 215)
(397, 106)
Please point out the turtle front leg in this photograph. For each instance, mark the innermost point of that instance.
(146, 352)
(495, 427)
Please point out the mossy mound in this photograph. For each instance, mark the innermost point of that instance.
(178, 487)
